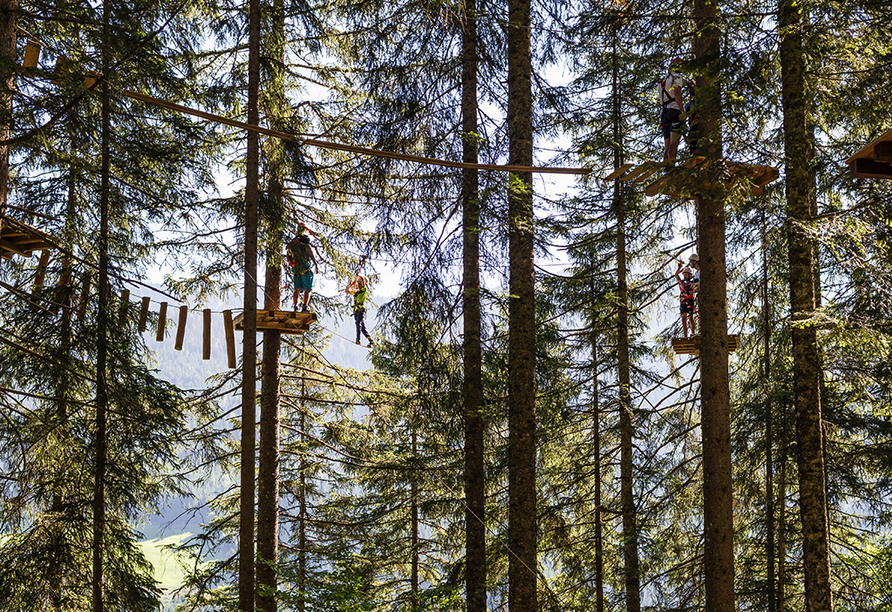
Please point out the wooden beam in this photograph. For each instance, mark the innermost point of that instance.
(162, 319)
(144, 313)
(181, 327)
(32, 54)
(618, 172)
(206, 336)
(40, 274)
(867, 151)
(124, 306)
(645, 166)
(230, 337)
(12, 247)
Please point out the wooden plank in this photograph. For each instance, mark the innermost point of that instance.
(162, 319)
(85, 293)
(867, 168)
(144, 313)
(40, 274)
(649, 173)
(619, 171)
(124, 306)
(32, 54)
(643, 167)
(206, 336)
(867, 152)
(230, 337)
(283, 321)
(882, 152)
(12, 247)
(60, 72)
(181, 327)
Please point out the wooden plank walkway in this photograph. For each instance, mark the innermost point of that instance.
(691, 345)
(285, 321)
(676, 181)
(17, 238)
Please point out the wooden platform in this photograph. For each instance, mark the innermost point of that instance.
(691, 345)
(284, 321)
(874, 160)
(17, 238)
(678, 181)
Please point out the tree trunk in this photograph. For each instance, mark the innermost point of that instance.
(102, 317)
(249, 336)
(627, 467)
(596, 446)
(475, 479)
(769, 426)
(413, 508)
(268, 465)
(803, 301)
(782, 524)
(522, 565)
(715, 394)
(302, 504)
(9, 10)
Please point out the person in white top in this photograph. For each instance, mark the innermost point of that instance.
(671, 117)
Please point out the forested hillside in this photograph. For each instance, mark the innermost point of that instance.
(602, 374)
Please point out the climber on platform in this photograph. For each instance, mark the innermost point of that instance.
(671, 116)
(300, 256)
(688, 304)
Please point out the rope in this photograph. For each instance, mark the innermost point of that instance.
(343, 147)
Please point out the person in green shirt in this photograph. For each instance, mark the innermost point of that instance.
(359, 290)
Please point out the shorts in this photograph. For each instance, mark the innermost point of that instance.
(687, 307)
(304, 281)
(670, 122)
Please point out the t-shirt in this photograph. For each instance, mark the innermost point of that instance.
(667, 98)
(359, 299)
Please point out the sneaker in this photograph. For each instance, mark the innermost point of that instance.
(358, 342)
(305, 308)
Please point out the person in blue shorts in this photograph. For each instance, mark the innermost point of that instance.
(302, 258)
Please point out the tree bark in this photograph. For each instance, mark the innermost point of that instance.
(522, 532)
(475, 479)
(8, 17)
(413, 509)
(769, 427)
(599, 517)
(102, 316)
(249, 336)
(302, 504)
(268, 465)
(715, 393)
(627, 467)
(803, 301)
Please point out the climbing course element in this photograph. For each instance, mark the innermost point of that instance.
(684, 180)
(874, 160)
(691, 345)
(230, 338)
(17, 238)
(286, 322)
